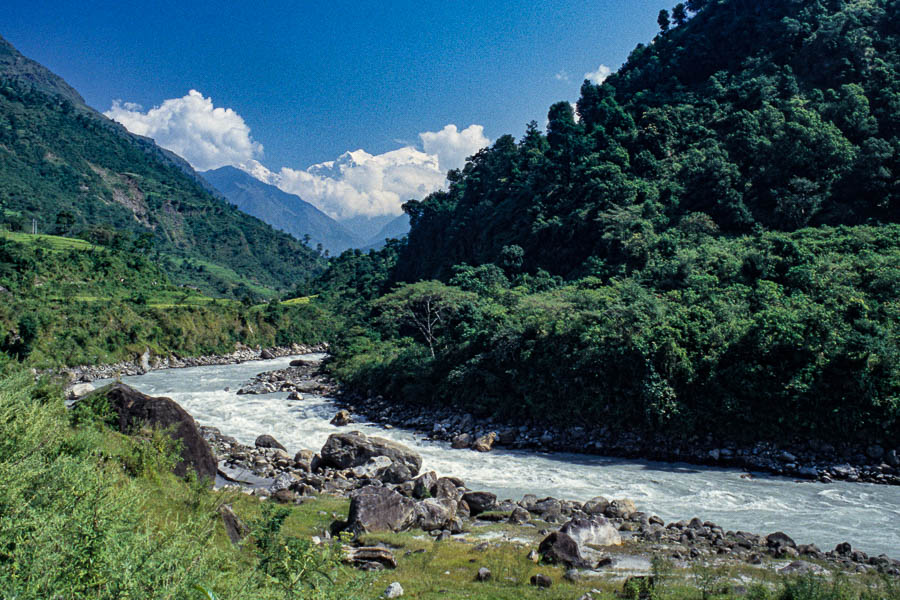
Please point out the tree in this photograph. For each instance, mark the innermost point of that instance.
(64, 222)
(679, 14)
(663, 20)
(695, 6)
(427, 307)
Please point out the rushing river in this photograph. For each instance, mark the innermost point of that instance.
(866, 515)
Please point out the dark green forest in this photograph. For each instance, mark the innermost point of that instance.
(709, 243)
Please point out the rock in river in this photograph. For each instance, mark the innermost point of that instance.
(353, 449)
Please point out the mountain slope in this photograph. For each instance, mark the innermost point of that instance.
(283, 211)
(78, 173)
(778, 115)
(394, 229)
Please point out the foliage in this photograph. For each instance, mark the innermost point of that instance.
(80, 519)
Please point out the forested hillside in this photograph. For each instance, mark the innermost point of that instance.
(79, 174)
(708, 246)
(781, 115)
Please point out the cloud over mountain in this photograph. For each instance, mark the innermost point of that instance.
(356, 183)
(192, 127)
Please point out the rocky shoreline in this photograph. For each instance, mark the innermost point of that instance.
(147, 362)
(388, 492)
(802, 460)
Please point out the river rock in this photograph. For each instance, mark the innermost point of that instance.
(423, 485)
(342, 418)
(353, 449)
(375, 509)
(519, 515)
(596, 505)
(461, 441)
(621, 508)
(434, 514)
(395, 590)
(561, 548)
(369, 558)
(446, 487)
(541, 580)
(779, 540)
(479, 502)
(267, 441)
(373, 469)
(79, 390)
(134, 410)
(596, 531)
(485, 443)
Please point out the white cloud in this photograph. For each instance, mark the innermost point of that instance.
(206, 136)
(562, 76)
(452, 146)
(358, 183)
(598, 76)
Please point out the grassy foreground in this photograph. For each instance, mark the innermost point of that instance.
(86, 512)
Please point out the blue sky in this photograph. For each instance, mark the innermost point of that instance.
(312, 80)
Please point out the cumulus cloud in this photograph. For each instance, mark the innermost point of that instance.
(361, 184)
(598, 76)
(452, 146)
(206, 136)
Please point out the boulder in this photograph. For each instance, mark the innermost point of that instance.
(592, 532)
(541, 580)
(234, 527)
(485, 443)
(560, 548)
(621, 508)
(445, 487)
(375, 509)
(266, 354)
(596, 505)
(779, 539)
(348, 450)
(134, 410)
(484, 574)
(423, 485)
(79, 390)
(267, 441)
(395, 590)
(461, 441)
(519, 515)
(479, 502)
(373, 469)
(342, 418)
(435, 514)
(369, 558)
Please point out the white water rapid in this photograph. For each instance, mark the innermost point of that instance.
(866, 515)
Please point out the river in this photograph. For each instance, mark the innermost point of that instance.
(866, 515)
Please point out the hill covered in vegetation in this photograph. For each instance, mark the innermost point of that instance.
(79, 174)
(708, 246)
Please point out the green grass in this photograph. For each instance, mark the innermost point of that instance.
(50, 242)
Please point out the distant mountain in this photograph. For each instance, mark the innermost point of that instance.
(284, 211)
(396, 228)
(78, 173)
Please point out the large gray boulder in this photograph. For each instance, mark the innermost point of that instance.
(434, 513)
(353, 449)
(480, 502)
(375, 509)
(134, 410)
(592, 532)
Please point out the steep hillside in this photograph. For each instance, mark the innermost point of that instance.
(79, 174)
(394, 230)
(281, 210)
(780, 115)
(710, 251)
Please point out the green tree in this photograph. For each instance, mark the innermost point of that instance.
(679, 14)
(663, 20)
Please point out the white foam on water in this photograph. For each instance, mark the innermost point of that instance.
(866, 515)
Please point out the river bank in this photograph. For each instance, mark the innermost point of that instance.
(807, 460)
(147, 362)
